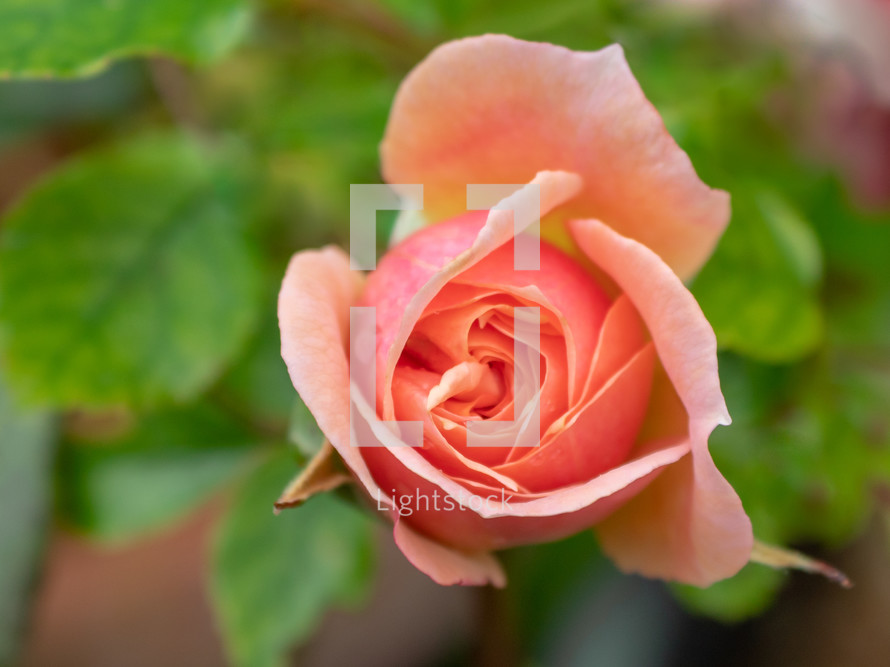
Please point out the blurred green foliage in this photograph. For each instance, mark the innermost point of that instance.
(126, 276)
(274, 576)
(72, 37)
(138, 282)
(160, 468)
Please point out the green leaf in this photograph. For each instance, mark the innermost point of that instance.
(258, 382)
(126, 276)
(758, 291)
(314, 102)
(799, 452)
(738, 598)
(26, 446)
(40, 38)
(164, 467)
(854, 241)
(34, 105)
(274, 576)
(535, 20)
(794, 237)
(858, 274)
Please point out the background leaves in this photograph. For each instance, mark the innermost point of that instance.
(759, 290)
(274, 575)
(78, 37)
(155, 472)
(126, 276)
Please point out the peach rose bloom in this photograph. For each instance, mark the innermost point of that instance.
(629, 391)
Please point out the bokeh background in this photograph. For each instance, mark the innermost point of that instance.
(159, 163)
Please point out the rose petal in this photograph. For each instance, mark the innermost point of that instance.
(493, 524)
(512, 108)
(313, 315)
(410, 393)
(405, 471)
(598, 438)
(621, 337)
(689, 525)
(564, 287)
(445, 565)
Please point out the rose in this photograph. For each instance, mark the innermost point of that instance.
(629, 387)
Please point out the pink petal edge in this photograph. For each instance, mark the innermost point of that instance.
(313, 315)
(697, 532)
(445, 565)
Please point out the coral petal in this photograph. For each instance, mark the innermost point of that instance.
(313, 315)
(446, 565)
(688, 525)
(512, 108)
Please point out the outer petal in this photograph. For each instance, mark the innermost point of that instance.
(497, 525)
(494, 109)
(313, 315)
(689, 525)
(445, 565)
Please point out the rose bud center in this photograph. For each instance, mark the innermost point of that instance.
(588, 376)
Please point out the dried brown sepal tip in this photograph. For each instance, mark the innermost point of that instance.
(323, 473)
(779, 558)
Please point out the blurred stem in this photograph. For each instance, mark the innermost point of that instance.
(497, 635)
(176, 91)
